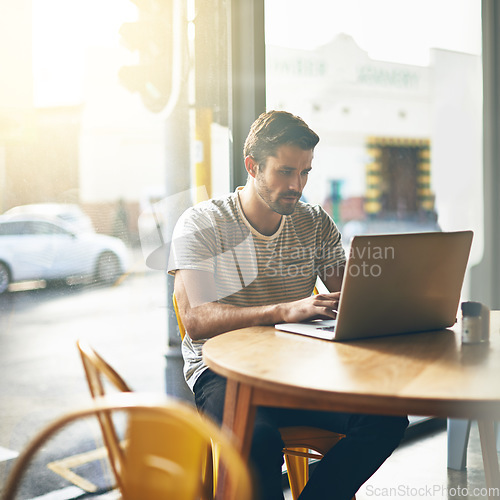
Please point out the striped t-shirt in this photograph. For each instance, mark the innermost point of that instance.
(249, 268)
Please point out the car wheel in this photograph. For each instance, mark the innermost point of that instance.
(108, 268)
(4, 278)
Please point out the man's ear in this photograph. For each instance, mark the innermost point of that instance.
(251, 165)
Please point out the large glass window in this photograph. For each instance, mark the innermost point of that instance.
(394, 89)
(105, 127)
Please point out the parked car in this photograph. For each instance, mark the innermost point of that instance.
(37, 248)
(68, 212)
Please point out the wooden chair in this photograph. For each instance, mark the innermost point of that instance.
(166, 448)
(302, 444)
(99, 374)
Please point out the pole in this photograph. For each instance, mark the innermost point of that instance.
(178, 180)
(247, 76)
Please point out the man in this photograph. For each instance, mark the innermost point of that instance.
(253, 258)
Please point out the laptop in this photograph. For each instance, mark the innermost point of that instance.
(394, 284)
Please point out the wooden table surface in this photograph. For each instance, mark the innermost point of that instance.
(429, 373)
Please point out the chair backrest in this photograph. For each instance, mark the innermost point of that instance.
(182, 330)
(99, 373)
(164, 457)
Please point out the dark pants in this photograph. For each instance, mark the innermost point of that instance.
(369, 440)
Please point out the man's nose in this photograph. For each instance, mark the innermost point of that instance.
(296, 183)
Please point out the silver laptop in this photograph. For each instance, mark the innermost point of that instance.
(397, 283)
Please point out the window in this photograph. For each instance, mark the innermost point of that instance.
(398, 109)
(12, 228)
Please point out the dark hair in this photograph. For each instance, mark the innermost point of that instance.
(274, 129)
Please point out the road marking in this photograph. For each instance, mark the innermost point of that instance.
(6, 454)
(111, 495)
(63, 467)
(23, 286)
(64, 494)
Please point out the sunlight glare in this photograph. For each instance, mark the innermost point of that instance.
(62, 31)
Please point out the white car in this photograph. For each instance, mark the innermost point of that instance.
(37, 248)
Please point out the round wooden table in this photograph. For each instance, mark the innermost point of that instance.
(429, 373)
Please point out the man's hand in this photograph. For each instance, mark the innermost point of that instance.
(321, 306)
(204, 317)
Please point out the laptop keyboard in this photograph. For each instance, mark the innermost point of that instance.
(327, 328)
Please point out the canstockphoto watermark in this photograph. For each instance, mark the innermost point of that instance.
(430, 491)
(367, 261)
(278, 268)
(303, 261)
(291, 262)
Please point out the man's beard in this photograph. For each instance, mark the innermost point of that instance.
(279, 206)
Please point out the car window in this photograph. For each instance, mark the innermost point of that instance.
(13, 228)
(42, 227)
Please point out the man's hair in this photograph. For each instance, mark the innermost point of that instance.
(274, 129)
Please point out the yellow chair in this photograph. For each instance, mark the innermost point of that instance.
(99, 374)
(165, 453)
(302, 443)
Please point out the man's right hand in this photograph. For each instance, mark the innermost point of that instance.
(321, 306)
(204, 317)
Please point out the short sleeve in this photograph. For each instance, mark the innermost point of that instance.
(193, 244)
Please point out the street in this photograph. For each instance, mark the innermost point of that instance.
(42, 375)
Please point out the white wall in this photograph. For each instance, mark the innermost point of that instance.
(457, 163)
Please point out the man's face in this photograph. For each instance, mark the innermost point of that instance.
(281, 181)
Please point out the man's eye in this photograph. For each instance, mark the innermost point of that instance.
(305, 173)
